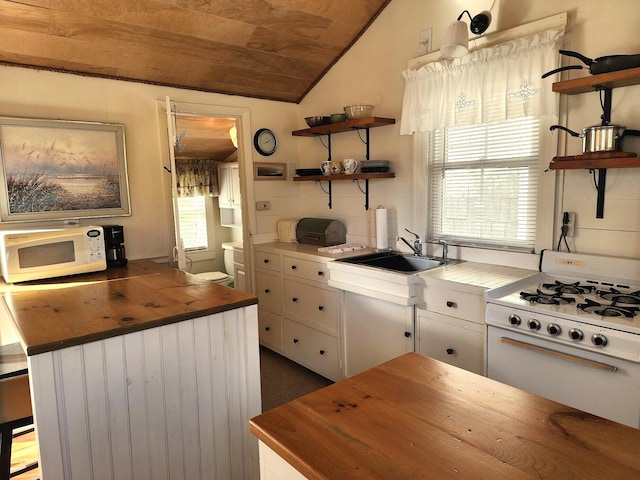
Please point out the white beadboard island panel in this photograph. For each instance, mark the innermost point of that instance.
(171, 402)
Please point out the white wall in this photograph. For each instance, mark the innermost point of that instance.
(370, 72)
(149, 230)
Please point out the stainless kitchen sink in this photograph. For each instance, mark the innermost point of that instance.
(395, 261)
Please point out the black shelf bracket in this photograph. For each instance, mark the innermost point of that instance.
(328, 192)
(600, 187)
(605, 102)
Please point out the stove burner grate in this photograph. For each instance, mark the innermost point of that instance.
(546, 298)
(613, 295)
(607, 310)
(574, 288)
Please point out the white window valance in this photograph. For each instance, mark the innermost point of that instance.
(492, 84)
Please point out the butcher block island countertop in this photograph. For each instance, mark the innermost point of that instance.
(417, 418)
(59, 313)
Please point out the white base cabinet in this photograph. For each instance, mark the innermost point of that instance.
(375, 331)
(298, 313)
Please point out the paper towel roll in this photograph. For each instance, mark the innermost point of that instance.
(382, 237)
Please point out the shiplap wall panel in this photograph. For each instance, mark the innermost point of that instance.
(172, 402)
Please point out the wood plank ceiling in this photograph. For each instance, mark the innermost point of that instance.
(271, 49)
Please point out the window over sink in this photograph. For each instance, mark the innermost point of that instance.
(483, 183)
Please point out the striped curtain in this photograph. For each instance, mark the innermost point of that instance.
(196, 177)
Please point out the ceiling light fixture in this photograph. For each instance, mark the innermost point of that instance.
(456, 40)
(233, 134)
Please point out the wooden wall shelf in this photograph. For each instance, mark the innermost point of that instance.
(344, 176)
(367, 122)
(611, 160)
(621, 78)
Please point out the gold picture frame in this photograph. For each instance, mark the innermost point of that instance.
(61, 170)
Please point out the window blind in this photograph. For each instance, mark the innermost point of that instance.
(193, 222)
(484, 184)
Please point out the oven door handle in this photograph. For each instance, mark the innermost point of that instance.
(565, 356)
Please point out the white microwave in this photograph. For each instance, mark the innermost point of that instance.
(46, 253)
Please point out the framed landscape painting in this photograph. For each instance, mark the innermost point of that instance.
(61, 169)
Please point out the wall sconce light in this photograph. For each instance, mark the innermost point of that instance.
(456, 40)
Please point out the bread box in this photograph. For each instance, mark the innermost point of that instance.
(323, 232)
(287, 229)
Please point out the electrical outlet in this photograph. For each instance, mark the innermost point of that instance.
(570, 218)
(263, 205)
(424, 46)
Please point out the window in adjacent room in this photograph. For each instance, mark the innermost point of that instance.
(193, 222)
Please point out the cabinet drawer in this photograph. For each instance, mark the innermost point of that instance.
(311, 304)
(270, 329)
(316, 271)
(269, 291)
(311, 348)
(456, 342)
(268, 261)
(457, 304)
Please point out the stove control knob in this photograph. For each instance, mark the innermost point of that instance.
(514, 320)
(554, 329)
(576, 334)
(599, 340)
(534, 324)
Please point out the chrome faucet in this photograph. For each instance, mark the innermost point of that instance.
(417, 245)
(445, 250)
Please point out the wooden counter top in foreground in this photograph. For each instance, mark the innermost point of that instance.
(58, 313)
(417, 418)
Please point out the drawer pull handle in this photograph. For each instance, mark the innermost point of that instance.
(267, 329)
(295, 340)
(320, 274)
(293, 267)
(266, 260)
(450, 351)
(407, 334)
(294, 299)
(321, 352)
(320, 307)
(266, 290)
(451, 304)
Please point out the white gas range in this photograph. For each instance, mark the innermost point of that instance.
(571, 333)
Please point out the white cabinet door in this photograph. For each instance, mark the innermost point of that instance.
(375, 331)
(451, 340)
(229, 186)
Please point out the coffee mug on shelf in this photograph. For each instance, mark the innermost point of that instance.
(326, 167)
(335, 167)
(350, 165)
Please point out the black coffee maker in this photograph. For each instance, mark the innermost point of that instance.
(114, 243)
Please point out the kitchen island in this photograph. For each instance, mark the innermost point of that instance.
(417, 418)
(141, 371)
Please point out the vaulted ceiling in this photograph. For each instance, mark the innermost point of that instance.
(271, 49)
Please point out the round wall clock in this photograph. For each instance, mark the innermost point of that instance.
(265, 142)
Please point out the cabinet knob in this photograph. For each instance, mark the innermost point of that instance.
(267, 329)
(295, 340)
(266, 260)
(320, 307)
(451, 304)
(321, 352)
(407, 334)
(293, 267)
(294, 299)
(450, 351)
(320, 274)
(266, 290)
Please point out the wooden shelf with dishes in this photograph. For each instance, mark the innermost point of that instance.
(355, 124)
(605, 83)
(349, 125)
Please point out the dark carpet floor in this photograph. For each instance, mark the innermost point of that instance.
(283, 380)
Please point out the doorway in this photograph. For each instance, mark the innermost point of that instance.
(198, 132)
